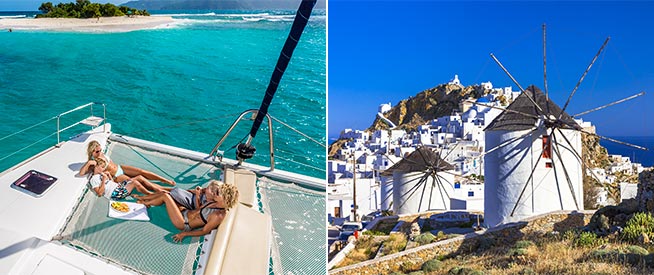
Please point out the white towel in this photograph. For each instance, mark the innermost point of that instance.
(137, 212)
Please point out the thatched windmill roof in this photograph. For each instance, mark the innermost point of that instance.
(422, 159)
(517, 121)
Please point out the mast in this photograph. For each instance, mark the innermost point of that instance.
(301, 19)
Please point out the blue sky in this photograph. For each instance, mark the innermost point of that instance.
(385, 51)
(33, 5)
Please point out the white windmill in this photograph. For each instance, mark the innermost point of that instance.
(534, 164)
(422, 181)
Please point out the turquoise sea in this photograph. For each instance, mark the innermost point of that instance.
(182, 85)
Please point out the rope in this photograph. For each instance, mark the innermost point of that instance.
(298, 131)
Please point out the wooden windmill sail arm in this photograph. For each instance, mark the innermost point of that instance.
(440, 189)
(565, 171)
(531, 175)
(413, 189)
(615, 140)
(610, 104)
(583, 162)
(583, 76)
(507, 142)
(516, 83)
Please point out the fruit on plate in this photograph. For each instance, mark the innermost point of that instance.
(120, 206)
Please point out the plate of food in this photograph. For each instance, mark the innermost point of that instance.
(120, 207)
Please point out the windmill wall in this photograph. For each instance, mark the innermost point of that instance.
(408, 199)
(386, 191)
(508, 168)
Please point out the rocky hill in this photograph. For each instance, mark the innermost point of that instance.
(429, 104)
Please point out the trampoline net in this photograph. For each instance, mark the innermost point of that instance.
(299, 239)
(144, 247)
(298, 217)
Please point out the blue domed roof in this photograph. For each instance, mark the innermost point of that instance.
(483, 100)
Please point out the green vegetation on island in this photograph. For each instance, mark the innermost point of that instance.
(86, 9)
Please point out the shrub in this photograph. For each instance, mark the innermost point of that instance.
(587, 239)
(408, 266)
(373, 233)
(523, 244)
(397, 273)
(464, 271)
(569, 235)
(425, 238)
(517, 252)
(417, 273)
(640, 223)
(527, 271)
(395, 243)
(431, 265)
(634, 249)
(601, 254)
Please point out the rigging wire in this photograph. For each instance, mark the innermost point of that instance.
(23, 130)
(180, 124)
(20, 150)
(299, 132)
(303, 164)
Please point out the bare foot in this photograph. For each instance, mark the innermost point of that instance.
(147, 205)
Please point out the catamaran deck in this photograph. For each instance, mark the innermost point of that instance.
(68, 230)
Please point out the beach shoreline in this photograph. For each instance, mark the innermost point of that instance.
(102, 24)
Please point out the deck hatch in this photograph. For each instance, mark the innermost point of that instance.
(34, 183)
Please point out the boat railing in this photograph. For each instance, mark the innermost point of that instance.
(216, 149)
(91, 120)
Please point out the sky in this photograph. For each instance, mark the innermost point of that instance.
(33, 5)
(386, 51)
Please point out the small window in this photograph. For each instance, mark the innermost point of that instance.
(457, 185)
(471, 193)
(548, 165)
(547, 147)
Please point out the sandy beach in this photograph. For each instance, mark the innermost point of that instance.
(104, 24)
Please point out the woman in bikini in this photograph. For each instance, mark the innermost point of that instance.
(119, 172)
(219, 198)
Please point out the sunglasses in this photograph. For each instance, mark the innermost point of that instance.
(98, 151)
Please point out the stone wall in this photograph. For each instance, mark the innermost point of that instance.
(509, 233)
(645, 195)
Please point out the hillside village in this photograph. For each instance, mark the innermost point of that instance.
(394, 173)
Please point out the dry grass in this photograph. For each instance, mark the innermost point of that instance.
(548, 256)
(395, 243)
(365, 249)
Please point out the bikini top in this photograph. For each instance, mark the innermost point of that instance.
(205, 211)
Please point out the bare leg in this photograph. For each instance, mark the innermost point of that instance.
(133, 172)
(139, 187)
(147, 184)
(155, 199)
(174, 213)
